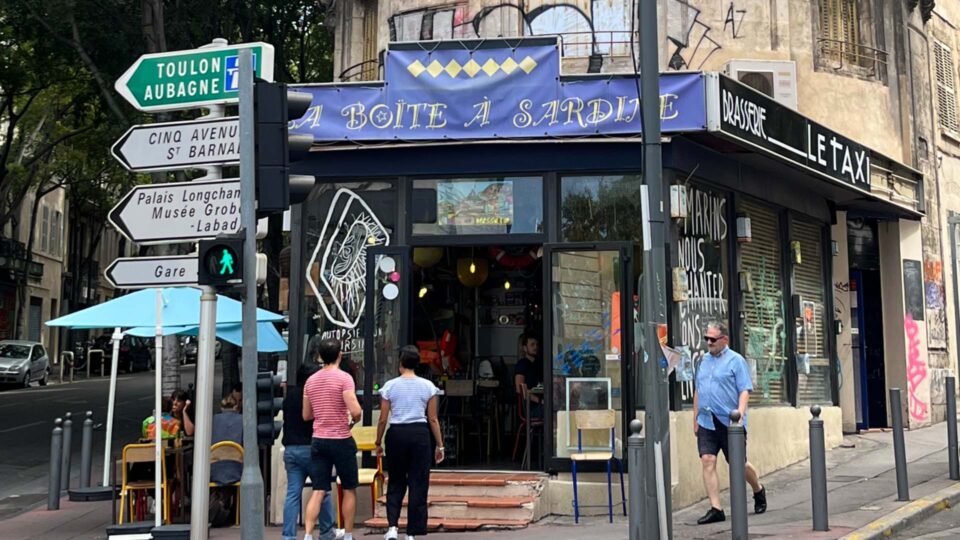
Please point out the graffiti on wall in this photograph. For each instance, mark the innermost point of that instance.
(916, 371)
(765, 328)
(701, 248)
(586, 26)
(935, 302)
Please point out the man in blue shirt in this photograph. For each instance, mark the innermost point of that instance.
(722, 385)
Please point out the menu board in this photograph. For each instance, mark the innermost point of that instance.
(464, 203)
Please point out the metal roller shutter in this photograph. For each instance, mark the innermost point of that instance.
(812, 387)
(764, 328)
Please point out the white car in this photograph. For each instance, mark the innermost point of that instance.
(22, 362)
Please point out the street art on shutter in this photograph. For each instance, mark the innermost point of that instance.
(919, 389)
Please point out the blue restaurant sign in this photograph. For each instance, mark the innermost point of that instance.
(489, 89)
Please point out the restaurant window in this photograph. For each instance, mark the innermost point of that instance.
(600, 208)
(764, 324)
(455, 206)
(813, 362)
(340, 222)
(703, 257)
(946, 87)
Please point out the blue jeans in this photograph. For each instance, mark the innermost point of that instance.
(297, 462)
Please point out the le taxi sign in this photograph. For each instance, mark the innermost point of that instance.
(191, 78)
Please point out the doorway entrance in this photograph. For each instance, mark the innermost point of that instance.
(866, 323)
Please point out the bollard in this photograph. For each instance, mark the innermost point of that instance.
(53, 484)
(899, 450)
(737, 444)
(67, 451)
(635, 450)
(952, 428)
(818, 472)
(86, 450)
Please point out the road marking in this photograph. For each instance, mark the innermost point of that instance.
(31, 424)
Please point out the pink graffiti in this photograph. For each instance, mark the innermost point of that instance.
(916, 370)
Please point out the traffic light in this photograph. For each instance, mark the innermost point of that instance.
(274, 108)
(220, 262)
(268, 405)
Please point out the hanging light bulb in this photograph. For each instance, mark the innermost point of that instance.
(473, 267)
(423, 291)
(506, 284)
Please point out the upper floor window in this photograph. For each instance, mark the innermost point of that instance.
(946, 86)
(848, 40)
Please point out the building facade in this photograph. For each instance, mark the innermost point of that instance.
(490, 188)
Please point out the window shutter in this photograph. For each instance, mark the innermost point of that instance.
(764, 328)
(946, 86)
(808, 281)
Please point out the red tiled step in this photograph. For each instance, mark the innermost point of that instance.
(479, 479)
(474, 502)
(453, 524)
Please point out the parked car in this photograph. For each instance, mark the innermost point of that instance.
(22, 362)
(135, 354)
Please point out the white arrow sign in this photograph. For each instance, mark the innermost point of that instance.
(178, 212)
(144, 272)
(179, 145)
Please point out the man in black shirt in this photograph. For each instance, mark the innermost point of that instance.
(297, 436)
(529, 373)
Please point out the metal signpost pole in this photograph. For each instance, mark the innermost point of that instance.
(653, 290)
(251, 483)
(206, 357)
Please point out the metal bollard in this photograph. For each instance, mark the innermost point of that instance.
(952, 428)
(53, 484)
(818, 472)
(635, 450)
(899, 449)
(737, 443)
(86, 450)
(67, 451)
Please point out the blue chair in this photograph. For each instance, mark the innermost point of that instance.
(594, 421)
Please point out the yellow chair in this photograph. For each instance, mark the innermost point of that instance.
(141, 453)
(228, 451)
(366, 439)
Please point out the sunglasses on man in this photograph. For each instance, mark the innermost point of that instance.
(709, 339)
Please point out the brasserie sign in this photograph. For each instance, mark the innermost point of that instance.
(754, 118)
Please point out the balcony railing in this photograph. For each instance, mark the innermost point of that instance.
(368, 70)
(843, 55)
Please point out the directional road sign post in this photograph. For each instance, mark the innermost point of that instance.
(192, 78)
(179, 145)
(178, 212)
(145, 272)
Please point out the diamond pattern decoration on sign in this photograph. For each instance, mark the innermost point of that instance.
(453, 68)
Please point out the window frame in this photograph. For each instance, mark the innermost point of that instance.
(945, 66)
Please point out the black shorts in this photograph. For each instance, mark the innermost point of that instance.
(330, 453)
(710, 442)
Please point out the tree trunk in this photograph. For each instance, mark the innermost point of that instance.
(273, 245)
(22, 277)
(230, 359)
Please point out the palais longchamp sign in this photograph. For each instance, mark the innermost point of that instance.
(491, 89)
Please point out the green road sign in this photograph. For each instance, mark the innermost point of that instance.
(187, 79)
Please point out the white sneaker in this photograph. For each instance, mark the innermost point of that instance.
(391, 534)
(411, 537)
(308, 537)
(340, 533)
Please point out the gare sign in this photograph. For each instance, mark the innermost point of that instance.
(146, 272)
(758, 120)
(192, 78)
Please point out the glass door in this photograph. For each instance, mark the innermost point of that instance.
(385, 327)
(588, 341)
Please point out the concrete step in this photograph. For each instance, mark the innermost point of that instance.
(484, 484)
(474, 507)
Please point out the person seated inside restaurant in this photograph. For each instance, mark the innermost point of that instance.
(227, 426)
(529, 373)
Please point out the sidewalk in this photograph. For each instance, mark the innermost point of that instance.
(861, 483)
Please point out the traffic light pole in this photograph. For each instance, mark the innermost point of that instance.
(203, 401)
(251, 483)
(658, 523)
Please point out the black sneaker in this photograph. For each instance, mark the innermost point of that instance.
(760, 500)
(714, 515)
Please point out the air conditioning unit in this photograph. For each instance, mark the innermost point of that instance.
(777, 79)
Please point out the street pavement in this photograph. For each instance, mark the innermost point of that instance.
(944, 524)
(861, 483)
(26, 421)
